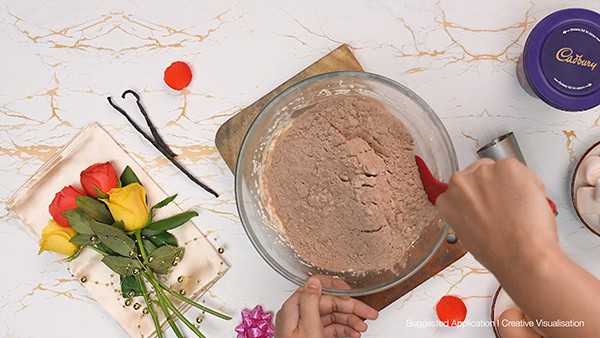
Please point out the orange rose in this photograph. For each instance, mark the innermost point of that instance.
(101, 176)
(64, 200)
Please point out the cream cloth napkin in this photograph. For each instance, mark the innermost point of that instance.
(200, 267)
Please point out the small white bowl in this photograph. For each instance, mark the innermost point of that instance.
(591, 221)
(500, 303)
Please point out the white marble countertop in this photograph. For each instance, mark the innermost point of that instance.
(61, 59)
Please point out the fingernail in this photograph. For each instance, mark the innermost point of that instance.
(313, 283)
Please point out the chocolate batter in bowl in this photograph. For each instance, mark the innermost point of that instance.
(326, 181)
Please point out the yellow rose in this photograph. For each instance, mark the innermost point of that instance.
(56, 238)
(128, 205)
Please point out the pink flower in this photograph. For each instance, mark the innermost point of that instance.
(256, 324)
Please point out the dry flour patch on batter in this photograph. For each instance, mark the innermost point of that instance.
(343, 182)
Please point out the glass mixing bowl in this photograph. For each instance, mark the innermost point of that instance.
(432, 143)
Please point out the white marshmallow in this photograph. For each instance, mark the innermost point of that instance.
(591, 171)
(586, 201)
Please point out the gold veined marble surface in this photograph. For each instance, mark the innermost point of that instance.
(60, 60)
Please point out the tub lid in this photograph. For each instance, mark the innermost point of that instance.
(561, 59)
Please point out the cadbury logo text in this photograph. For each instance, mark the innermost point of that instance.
(565, 54)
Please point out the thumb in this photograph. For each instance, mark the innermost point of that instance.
(310, 298)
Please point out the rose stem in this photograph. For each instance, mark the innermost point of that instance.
(164, 300)
(163, 150)
(191, 302)
(165, 310)
(97, 250)
(153, 130)
(138, 237)
(149, 306)
(148, 276)
(181, 316)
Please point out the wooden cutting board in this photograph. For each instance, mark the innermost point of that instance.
(229, 140)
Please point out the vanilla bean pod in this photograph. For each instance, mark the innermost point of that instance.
(135, 125)
(156, 140)
(153, 130)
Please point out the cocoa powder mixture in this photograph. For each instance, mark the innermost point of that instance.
(343, 183)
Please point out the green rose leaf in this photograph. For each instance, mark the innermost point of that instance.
(163, 238)
(80, 221)
(95, 209)
(106, 249)
(128, 177)
(164, 202)
(172, 222)
(114, 238)
(161, 272)
(80, 239)
(128, 284)
(122, 265)
(148, 245)
(162, 258)
(119, 225)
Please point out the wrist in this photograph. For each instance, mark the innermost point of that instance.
(533, 263)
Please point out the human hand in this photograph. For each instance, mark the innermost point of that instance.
(309, 314)
(500, 212)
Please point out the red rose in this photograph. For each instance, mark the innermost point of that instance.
(64, 200)
(101, 176)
